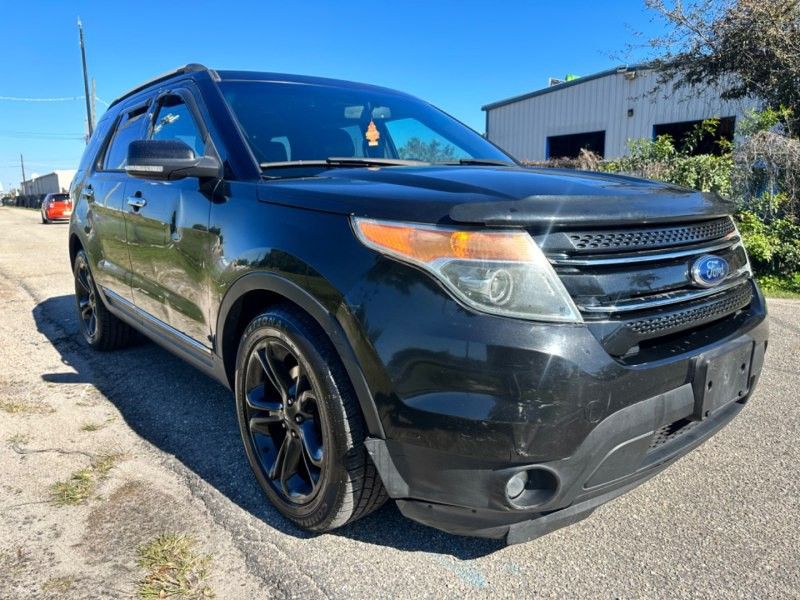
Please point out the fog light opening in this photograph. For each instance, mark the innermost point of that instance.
(516, 485)
(532, 487)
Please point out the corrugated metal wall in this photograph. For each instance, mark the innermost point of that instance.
(522, 128)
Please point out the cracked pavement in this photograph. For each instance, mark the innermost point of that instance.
(722, 522)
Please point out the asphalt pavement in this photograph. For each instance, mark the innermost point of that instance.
(723, 522)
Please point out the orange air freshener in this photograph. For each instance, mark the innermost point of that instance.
(372, 134)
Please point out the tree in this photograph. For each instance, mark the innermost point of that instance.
(433, 151)
(747, 47)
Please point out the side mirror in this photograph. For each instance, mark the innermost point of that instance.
(168, 159)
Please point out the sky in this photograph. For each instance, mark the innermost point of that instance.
(459, 55)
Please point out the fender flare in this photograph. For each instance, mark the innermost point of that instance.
(271, 282)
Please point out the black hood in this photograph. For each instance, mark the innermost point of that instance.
(494, 196)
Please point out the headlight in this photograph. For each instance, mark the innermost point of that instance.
(499, 272)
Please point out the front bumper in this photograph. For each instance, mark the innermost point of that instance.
(454, 478)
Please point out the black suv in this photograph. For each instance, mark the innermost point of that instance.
(402, 310)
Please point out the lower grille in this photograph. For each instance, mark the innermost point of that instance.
(708, 311)
(671, 432)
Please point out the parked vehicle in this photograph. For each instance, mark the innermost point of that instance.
(56, 207)
(401, 309)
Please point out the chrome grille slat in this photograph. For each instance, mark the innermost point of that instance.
(667, 299)
(730, 241)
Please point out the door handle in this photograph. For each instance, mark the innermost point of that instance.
(136, 202)
(88, 193)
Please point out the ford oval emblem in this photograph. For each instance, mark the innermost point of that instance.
(709, 270)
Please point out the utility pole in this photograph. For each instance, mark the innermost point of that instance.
(22, 164)
(94, 97)
(89, 119)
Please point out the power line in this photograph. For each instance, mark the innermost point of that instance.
(40, 135)
(59, 99)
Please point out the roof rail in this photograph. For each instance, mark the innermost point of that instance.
(190, 68)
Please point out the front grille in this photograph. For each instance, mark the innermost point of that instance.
(651, 238)
(635, 284)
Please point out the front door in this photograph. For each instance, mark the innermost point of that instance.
(167, 231)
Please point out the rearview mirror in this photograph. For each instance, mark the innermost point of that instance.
(168, 159)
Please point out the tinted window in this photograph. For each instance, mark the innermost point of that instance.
(308, 122)
(174, 121)
(95, 143)
(128, 130)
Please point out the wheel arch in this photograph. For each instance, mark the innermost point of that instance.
(75, 246)
(253, 293)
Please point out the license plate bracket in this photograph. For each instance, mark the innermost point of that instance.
(721, 377)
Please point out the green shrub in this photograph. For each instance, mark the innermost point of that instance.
(761, 174)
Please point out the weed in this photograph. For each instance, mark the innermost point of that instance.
(94, 426)
(81, 484)
(60, 585)
(17, 407)
(173, 569)
(19, 439)
(74, 490)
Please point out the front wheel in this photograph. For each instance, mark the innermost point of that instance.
(301, 425)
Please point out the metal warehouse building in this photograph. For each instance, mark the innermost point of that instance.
(601, 112)
(52, 183)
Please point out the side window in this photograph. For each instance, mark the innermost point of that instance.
(174, 121)
(129, 129)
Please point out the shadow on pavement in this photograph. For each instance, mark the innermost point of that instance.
(188, 415)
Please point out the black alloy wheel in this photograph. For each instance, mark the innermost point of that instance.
(301, 424)
(284, 420)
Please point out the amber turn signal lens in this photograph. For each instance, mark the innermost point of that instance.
(427, 244)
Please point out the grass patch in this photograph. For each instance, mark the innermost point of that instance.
(173, 569)
(81, 484)
(74, 490)
(17, 407)
(94, 426)
(60, 585)
(775, 286)
(19, 438)
(105, 462)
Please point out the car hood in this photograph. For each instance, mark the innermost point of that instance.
(495, 196)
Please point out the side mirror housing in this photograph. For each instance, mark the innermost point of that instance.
(168, 160)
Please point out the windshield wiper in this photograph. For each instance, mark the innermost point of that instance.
(491, 162)
(335, 161)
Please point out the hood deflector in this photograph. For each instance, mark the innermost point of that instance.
(590, 210)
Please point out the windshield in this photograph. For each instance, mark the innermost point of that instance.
(303, 122)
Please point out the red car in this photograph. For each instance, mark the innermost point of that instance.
(56, 207)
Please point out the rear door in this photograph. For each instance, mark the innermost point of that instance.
(104, 191)
(167, 228)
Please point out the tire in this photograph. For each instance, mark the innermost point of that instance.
(99, 328)
(44, 220)
(335, 481)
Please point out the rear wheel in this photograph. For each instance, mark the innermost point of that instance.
(301, 425)
(100, 329)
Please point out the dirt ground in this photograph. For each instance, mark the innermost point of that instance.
(102, 455)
